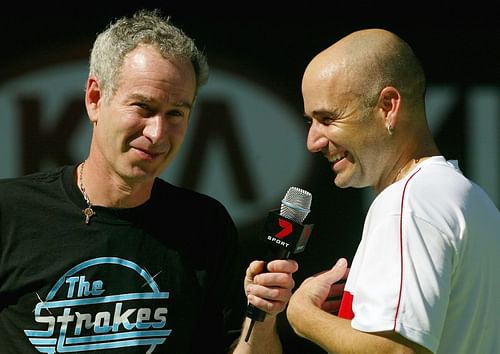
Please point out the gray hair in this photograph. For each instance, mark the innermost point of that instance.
(144, 27)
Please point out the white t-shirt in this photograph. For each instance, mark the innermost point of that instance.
(428, 264)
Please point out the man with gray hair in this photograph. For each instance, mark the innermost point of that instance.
(104, 256)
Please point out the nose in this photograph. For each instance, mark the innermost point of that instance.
(155, 128)
(316, 139)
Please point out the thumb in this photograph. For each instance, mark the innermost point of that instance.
(337, 272)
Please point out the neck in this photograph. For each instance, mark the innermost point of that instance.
(410, 150)
(403, 171)
(400, 170)
(110, 190)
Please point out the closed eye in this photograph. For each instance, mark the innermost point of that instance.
(326, 120)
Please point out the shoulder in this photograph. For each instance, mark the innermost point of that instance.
(185, 198)
(439, 180)
(30, 181)
(441, 194)
(182, 201)
(435, 187)
(36, 191)
(198, 218)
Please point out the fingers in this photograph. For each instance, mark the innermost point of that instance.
(253, 269)
(323, 287)
(270, 291)
(271, 300)
(331, 306)
(334, 298)
(336, 290)
(283, 266)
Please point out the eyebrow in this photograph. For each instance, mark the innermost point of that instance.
(146, 99)
(321, 112)
(183, 104)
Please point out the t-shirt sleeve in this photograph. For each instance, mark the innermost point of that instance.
(403, 280)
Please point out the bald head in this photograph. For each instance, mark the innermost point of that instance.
(368, 60)
(365, 99)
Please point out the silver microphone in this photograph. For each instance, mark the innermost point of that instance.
(296, 204)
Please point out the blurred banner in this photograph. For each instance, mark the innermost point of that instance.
(245, 144)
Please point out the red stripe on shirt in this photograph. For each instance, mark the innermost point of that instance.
(345, 310)
(401, 247)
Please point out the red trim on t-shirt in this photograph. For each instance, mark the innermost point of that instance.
(345, 310)
(401, 247)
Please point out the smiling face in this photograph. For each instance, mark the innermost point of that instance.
(364, 98)
(347, 132)
(140, 128)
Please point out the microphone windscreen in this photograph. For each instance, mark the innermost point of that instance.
(296, 204)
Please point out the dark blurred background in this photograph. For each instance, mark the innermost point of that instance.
(459, 49)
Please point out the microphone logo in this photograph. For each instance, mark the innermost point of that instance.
(286, 229)
(289, 236)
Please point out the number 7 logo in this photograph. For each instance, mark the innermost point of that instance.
(286, 230)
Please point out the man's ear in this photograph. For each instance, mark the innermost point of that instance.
(93, 97)
(389, 103)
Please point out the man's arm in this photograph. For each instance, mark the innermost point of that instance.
(269, 291)
(309, 317)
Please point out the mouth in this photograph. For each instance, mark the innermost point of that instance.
(336, 158)
(147, 155)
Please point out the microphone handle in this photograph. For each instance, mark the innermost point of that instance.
(253, 312)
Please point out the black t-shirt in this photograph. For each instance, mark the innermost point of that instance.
(155, 278)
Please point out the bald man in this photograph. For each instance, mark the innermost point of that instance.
(424, 278)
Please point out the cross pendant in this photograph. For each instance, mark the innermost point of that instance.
(88, 212)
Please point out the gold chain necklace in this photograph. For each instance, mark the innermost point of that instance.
(88, 211)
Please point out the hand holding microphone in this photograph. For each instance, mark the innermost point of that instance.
(285, 235)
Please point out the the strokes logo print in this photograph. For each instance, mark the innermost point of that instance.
(82, 314)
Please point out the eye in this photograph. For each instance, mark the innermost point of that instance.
(144, 109)
(323, 120)
(176, 114)
(326, 120)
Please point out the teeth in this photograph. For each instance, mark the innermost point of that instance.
(337, 157)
